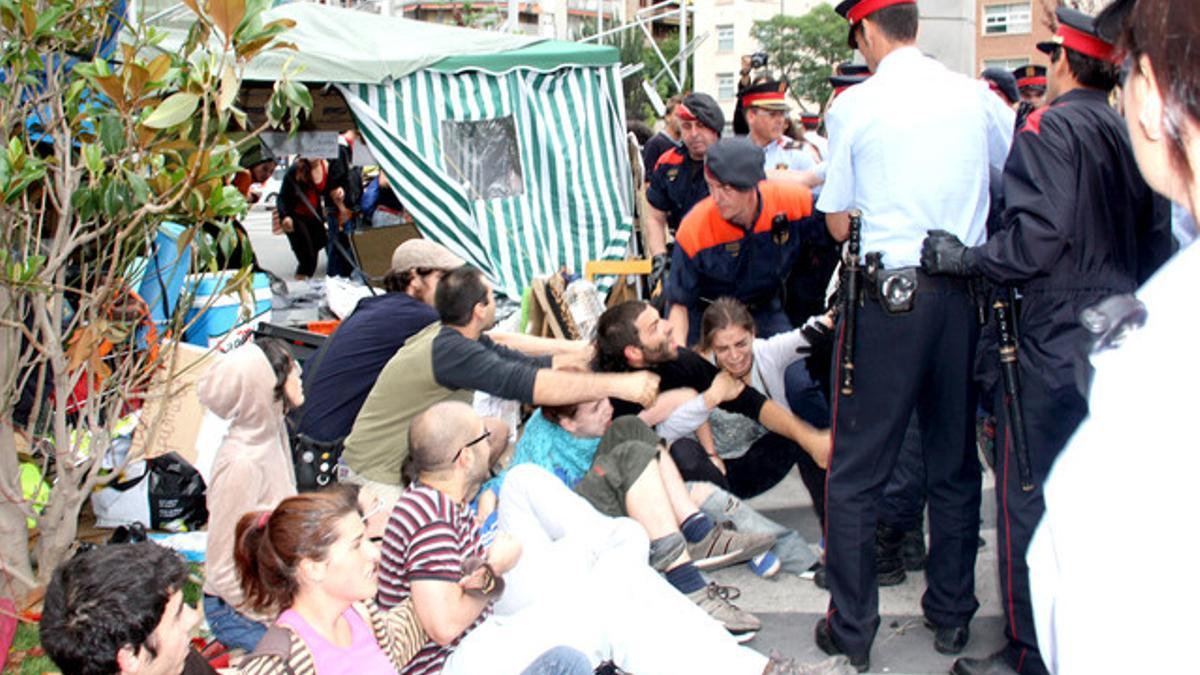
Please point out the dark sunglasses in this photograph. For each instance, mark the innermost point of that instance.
(482, 437)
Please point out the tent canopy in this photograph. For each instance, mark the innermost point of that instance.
(355, 47)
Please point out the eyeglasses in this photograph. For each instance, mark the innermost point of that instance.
(487, 433)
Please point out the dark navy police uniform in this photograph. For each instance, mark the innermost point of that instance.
(676, 185)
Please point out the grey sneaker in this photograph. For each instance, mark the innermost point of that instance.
(726, 546)
(715, 600)
(834, 665)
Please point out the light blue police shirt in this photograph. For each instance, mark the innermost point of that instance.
(777, 156)
(910, 147)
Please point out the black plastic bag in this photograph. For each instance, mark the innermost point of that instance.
(177, 494)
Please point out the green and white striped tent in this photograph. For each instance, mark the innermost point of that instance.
(507, 149)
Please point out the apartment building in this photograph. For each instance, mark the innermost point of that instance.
(1009, 31)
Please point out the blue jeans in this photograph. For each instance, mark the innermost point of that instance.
(232, 628)
(559, 661)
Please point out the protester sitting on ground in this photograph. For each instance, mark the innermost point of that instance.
(120, 609)
(310, 563)
(744, 457)
(633, 337)
(339, 377)
(452, 359)
(583, 582)
(251, 387)
(618, 468)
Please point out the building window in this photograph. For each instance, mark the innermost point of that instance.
(1006, 19)
(483, 155)
(725, 38)
(1006, 64)
(726, 89)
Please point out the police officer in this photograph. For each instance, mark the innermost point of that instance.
(1031, 83)
(1079, 224)
(740, 241)
(766, 108)
(677, 181)
(915, 333)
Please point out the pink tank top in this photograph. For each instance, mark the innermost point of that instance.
(362, 657)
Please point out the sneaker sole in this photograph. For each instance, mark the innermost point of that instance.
(743, 637)
(732, 558)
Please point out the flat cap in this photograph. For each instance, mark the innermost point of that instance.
(423, 254)
(703, 109)
(736, 162)
(1002, 82)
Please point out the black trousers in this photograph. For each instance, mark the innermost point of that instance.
(916, 361)
(903, 506)
(1051, 416)
(767, 462)
(307, 239)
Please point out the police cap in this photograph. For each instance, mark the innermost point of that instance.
(1030, 77)
(736, 162)
(1077, 31)
(703, 109)
(851, 69)
(857, 10)
(768, 95)
(841, 83)
(1002, 81)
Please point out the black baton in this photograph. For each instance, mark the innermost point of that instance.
(850, 302)
(1009, 369)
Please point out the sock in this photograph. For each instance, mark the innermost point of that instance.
(686, 578)
(696, 527)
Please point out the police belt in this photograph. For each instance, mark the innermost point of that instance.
(896, 289)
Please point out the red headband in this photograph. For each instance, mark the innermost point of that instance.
(263, 518)
(1036, 81)
(683, 113)
(867, 7)
(765, 97)
(1088, 45)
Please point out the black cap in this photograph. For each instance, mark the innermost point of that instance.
(1077, 31)
(1003, 82)
(839, 82)
(1111, 21)
(852, 69)
(736, 162)
(857, 10)
(768, 95)
(703, 109)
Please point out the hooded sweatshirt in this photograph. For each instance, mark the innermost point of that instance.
(253, 469)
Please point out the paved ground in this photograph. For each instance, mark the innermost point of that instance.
(789, 606)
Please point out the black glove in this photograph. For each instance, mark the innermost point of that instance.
(657, 270)
(943, 253)
(816, 332)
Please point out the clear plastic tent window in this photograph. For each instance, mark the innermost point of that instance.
(484, 156)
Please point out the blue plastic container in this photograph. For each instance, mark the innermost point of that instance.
(226, 321)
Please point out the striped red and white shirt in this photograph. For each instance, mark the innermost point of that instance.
(427, 538)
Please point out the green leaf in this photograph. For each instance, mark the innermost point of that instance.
(112, 134)
(92, 159)
(139, 187)
(177, 108)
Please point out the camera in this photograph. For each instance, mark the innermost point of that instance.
(758, 60)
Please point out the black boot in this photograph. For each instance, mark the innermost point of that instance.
(912, 550)
(889, 564)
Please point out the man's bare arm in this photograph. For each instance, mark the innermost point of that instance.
(556, 387)
(533, 345)
(816, 442)
(444, 608)
(654, 226)
(838, 224)
(678, 318)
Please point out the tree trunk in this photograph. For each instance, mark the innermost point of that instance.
(16, 571)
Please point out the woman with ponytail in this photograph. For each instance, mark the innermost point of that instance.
(310, 563)
(1131, 467)
(251, 387)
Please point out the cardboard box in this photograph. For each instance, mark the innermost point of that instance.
(175, 399)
